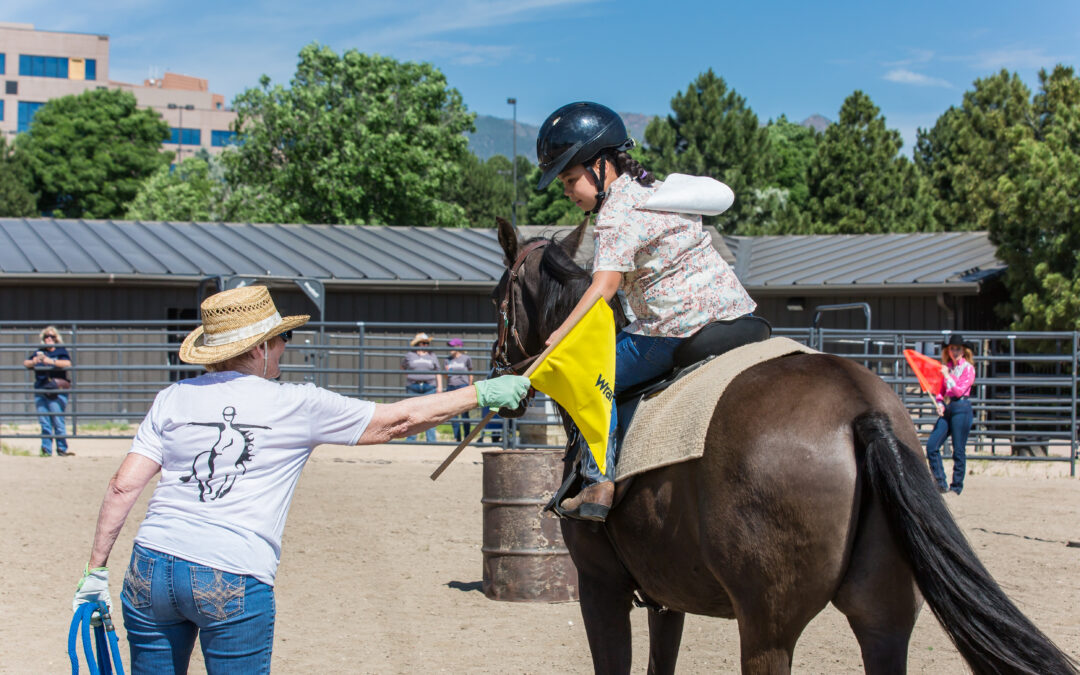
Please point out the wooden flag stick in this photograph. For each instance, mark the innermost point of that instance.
(575, 317)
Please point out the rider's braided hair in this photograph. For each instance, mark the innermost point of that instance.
(625, 164)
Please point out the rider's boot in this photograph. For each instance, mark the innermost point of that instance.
(592, 503)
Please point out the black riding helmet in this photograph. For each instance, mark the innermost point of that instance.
(575, 134)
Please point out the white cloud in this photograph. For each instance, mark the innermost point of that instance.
(903, 76)
(917, 56)
(463, 53)
(1015, 58)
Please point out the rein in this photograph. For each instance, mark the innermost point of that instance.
(508, 316)
(104, 637)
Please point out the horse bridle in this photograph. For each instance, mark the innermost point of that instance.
(500, 356)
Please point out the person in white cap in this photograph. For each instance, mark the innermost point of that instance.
(229, 446)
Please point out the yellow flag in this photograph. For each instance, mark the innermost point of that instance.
(579, 374)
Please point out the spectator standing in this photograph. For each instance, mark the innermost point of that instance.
(954, 413)
(458, 374)
(421, 377)
(51, 382)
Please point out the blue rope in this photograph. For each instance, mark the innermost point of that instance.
(104, 637)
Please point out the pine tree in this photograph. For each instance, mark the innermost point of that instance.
(1037, 223)
(858, 182)
(969, 147)
(713, 132)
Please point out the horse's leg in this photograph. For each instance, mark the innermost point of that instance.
(879, 597)
(665, 636)
(605, 609)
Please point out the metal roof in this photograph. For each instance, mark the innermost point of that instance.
(425, 256)
(946, 260)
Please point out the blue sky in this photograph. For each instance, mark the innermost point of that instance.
(914, 59)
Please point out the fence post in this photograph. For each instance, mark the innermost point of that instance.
(73, 398)
(1075, 366)
(360, 352)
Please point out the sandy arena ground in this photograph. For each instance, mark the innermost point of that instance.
(381, 570)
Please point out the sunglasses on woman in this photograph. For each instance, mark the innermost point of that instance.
(286, 336)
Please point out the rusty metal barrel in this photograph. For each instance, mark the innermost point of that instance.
(525, 558)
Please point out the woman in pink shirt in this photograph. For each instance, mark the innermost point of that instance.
(954, 410)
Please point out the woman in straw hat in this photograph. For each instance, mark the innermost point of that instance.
(421, 378)
(229, 446)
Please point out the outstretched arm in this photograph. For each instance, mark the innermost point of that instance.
(418, 413)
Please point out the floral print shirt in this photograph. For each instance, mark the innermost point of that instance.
(673, 278)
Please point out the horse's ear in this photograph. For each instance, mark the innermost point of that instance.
(572, 241)
(508, 239)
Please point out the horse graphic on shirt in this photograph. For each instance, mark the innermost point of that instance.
(215, 470)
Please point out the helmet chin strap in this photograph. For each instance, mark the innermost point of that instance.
(601, 193)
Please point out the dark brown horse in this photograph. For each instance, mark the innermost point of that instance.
(809, 492)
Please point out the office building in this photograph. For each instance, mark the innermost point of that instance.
(37, 65)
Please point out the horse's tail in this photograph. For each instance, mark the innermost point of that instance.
(990, 632)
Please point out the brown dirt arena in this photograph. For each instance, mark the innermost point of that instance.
(381, 570)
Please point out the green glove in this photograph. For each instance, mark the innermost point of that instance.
(502, 392)
(93, 587)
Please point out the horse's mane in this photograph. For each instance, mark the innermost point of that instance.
(562, 283)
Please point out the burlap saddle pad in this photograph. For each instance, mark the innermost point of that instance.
(671, 426)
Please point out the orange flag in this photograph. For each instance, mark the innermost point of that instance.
(928, 371)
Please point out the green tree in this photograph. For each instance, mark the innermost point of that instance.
(484, 190)
(780, 208)
(88, 154)
(858, 183)
(969, 147)
(186, 193)
(16, 200)
(713, 132)
(550, 206)
(1037, 224)
(355, 138)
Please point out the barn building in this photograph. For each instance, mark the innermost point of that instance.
(79, 270)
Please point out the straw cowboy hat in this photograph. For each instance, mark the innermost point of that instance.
(418, 338)
(234, 321)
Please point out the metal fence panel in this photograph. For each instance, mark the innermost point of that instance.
(1024, 398)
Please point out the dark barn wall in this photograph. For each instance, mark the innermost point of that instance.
(903, 312)
(427, 306)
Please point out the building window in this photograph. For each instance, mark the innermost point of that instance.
(11, 87)
(220, 139)
(53, 66)
(3, 64)
(184, 136)
(27, 109)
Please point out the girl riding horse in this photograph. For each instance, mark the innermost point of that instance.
(673, 278)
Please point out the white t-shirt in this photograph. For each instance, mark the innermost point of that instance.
(231, 448)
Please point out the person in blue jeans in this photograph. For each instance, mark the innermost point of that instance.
(229, 447)
(954, 413)
(458, 375)
(50, 364)
(421, 377)
(673, 278)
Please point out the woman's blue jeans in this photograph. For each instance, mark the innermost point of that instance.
(465, 415)
(956, 423)
(421, 389)
(50, 410)
(168, 601)
(638, 358)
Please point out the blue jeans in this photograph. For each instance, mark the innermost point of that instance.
(50, 415)
(420, 389)
(956, 423)
(638, 358)
(465, 415)
(168, 601)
